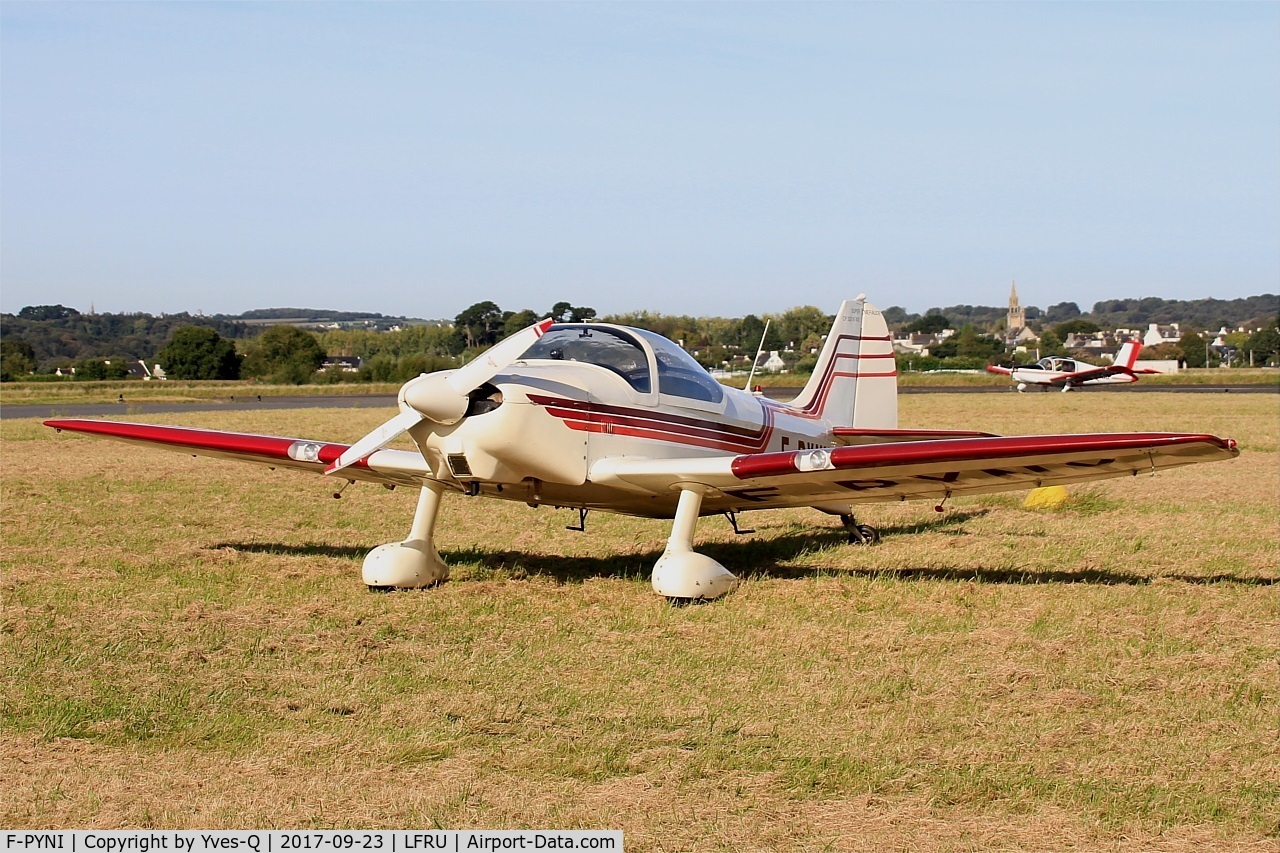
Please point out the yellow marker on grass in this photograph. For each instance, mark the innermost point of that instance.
(1046, 497)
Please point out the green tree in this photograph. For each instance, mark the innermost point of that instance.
(720, 332)
(90, 369)
(99, 368)
(284, 354)
(1075, 327)
(17, 359)
(481, 323)
(1193, 349)
(1062, 312)
(518, 321)
(380, 368)
(969, 344)
(772, 340)
(1265, 345)
(47, 312)
(198, 352)
(796, 324)
(1161, 352)
(563, 312)
(929, 324)
(749, 330)
(896, 315)
(1050, 344)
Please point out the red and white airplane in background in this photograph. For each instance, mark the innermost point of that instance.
(1068, 373)
(592, 416)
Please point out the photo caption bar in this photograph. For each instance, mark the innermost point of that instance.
(312, 841)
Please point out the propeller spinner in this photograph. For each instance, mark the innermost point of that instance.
(442, 398)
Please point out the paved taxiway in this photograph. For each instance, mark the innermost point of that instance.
(383, 402)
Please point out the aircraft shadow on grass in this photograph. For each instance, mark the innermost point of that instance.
(773, 558)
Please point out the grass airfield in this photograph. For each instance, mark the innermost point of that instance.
(188, 645)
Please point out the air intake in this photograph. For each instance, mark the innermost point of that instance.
(458, 465)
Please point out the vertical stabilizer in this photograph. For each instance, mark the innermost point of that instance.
(855, 382)
(1128, 354)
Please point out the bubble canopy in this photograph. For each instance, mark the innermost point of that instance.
(626, 352)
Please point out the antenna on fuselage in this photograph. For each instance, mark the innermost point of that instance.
(759, 352)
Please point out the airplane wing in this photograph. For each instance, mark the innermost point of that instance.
(923, 469)
(914, 470)
(392, 467)
(995, 368)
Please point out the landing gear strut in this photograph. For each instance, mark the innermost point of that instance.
(859, 534)
(681, 573)
(413, 562)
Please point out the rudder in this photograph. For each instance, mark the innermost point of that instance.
(855, 382)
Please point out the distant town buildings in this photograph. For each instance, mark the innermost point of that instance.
(771, 363)
(1160, 334)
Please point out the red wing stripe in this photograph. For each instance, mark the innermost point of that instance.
(969, 450)
(268, 448)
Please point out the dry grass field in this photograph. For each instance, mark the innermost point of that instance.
(186, 643)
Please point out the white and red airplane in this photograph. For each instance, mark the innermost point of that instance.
(592, 416)
(1067, 373)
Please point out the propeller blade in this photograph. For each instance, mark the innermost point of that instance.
(492, 361)
(442, 399)
(376, 440)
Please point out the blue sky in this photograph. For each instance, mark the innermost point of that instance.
(678, 157)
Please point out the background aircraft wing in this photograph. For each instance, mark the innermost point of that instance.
(1093, 373)
(394, 467)
(915, 470)
(1099, 372)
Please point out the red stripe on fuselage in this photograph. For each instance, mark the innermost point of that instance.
(658, 426)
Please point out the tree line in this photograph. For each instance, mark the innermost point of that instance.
(41, 338)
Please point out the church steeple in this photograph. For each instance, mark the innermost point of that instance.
(1017, 320)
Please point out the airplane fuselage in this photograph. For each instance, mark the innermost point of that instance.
(1042, 376)
(555, 422)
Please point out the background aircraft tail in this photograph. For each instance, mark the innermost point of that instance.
(855, 382)
(1128, 354)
